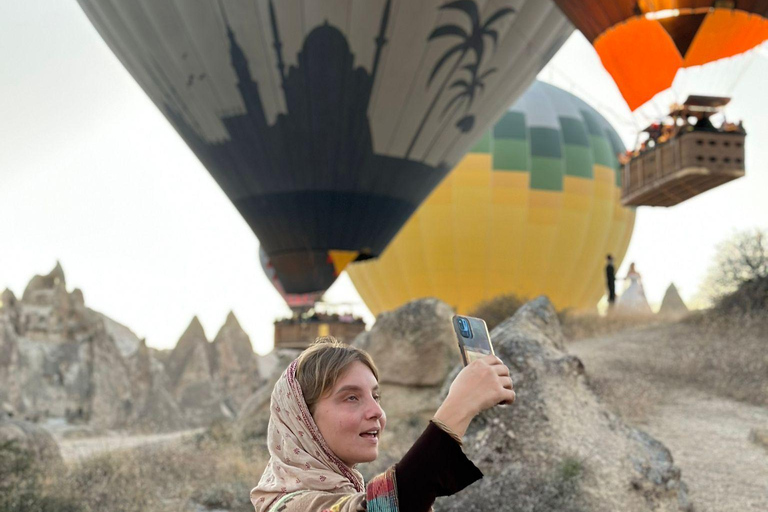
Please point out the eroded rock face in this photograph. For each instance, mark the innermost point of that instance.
(235, 365)
(60, 359)
(213, 380)
(557, 448)
(413, 345)
(191, 377)
(154, 406)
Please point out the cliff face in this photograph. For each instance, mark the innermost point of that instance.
(60, 359)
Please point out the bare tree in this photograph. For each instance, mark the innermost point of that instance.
(742, 257)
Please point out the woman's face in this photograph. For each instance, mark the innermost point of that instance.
(350, 417)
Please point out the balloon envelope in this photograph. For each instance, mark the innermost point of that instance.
(534, 208)
(644, 44)
(328, 123)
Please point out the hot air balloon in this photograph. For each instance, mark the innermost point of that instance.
(532, 209)
(644, 45)
(328, 123)
(680, 55)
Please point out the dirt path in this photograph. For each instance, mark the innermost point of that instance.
(73, 450)
(707, 435)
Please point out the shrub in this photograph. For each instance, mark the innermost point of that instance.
(22, 484)
(228, 496)
(498, 309)
(751, 297)
(739, 259)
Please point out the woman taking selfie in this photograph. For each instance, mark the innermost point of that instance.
(325, 418)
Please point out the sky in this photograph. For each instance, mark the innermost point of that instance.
(93, 176)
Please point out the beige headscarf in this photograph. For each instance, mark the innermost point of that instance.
(299, 459)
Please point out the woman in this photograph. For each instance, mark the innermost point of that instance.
(633, 301)
(325, 418)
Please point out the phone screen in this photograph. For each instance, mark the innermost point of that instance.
(473, 337)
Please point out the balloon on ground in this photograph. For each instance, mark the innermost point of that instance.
(328, 123)
(532, 209)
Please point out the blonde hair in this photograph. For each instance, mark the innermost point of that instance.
(323, 363)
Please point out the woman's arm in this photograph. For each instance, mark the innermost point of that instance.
(434, 466)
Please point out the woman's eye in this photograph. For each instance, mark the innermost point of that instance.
(377, 398)
(352, 398)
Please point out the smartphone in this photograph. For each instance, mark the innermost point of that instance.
(474, 340)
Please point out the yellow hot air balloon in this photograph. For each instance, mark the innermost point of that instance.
(532, 209)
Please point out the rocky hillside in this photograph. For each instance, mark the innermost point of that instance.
(60, 359)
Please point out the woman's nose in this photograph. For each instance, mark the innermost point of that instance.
(375, 410)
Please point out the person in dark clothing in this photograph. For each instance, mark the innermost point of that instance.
(704, 124)
(325, 418)
(610, 280)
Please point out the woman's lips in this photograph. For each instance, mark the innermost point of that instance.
(370, 438)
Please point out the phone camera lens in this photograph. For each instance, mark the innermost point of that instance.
(464, 328)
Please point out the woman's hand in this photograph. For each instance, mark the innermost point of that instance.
(479, 386)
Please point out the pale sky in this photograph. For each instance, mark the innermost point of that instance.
(92, 175)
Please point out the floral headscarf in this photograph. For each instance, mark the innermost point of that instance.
(300, 459)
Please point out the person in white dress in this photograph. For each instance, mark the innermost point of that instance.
(633, 301)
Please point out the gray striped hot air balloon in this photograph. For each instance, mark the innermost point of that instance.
(328, 122)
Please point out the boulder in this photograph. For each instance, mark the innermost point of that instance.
(414, 345)
(557, 447)
(38, 441)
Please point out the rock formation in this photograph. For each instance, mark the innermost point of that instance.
(154, 405)
(413, 345)
(557, 448)
(235, 365)
(672, 305)
(60, 359)
(212, 380)
(191, 377)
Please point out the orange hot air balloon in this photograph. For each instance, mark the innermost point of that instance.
(644, 44)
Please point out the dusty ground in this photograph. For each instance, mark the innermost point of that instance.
(707, 433)
(78, 449)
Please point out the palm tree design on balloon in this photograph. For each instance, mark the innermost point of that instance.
(466, 95)
(472, 41)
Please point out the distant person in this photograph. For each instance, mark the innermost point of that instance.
(633, 301)
(610, 280)
(704, 124)
(325, 418)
